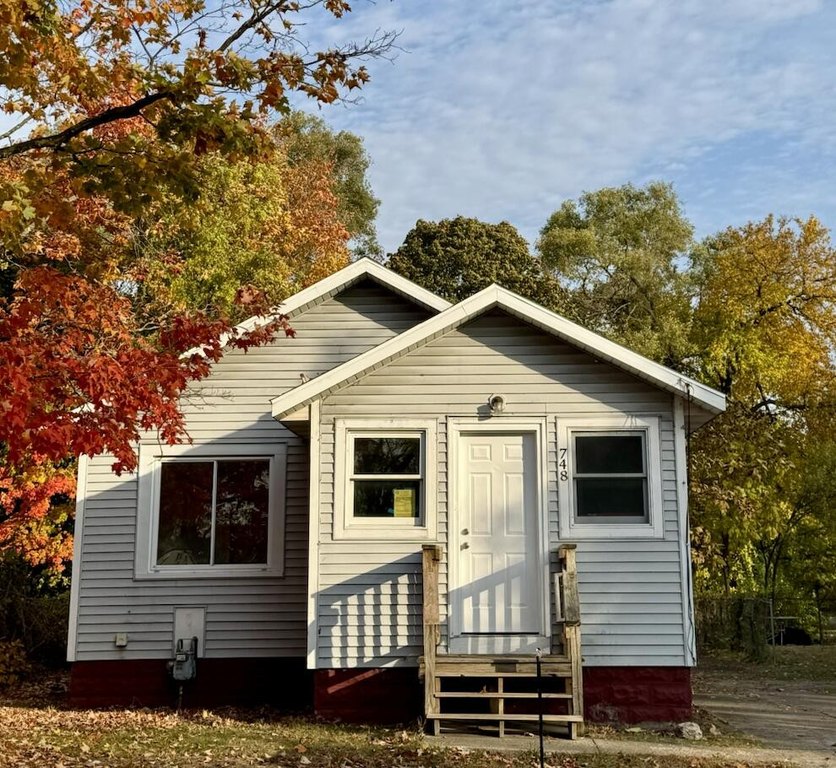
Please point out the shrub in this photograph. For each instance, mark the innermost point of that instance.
(33, 613)
(13, 663)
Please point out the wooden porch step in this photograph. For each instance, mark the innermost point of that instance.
(488, 669)
(458, 658)
(515, 717)
(498, 695)
(567, 673)
(498, 666)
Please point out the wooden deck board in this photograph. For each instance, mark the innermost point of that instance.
(488, 674)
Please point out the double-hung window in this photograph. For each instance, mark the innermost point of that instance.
(608, 477)
(208, 513)
(385, 486)
(387, 475)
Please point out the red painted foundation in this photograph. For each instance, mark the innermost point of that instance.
(282, 683)
(611, 694)
(636, 694)
(369, 695)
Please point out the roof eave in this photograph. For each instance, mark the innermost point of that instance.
(494, 296)
(332, 285)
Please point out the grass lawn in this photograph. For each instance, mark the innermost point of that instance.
(47, 737)
(816, 663)
(35, 730)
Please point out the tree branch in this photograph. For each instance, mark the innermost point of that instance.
(253, 21)
(16, 127)
(56, 140)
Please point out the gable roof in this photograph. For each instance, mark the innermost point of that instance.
(496, 297)
(361, 269)
(324, 289)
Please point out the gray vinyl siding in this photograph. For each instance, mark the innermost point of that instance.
(264, 616)
(244, 616)
(630, 590)
(235, 399)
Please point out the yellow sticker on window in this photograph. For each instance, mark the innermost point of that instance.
(404, 502)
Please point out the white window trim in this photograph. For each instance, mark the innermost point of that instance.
(346, 526)
(654, 527)
(152, 455)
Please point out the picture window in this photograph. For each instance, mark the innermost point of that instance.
(213, 512)
(210, 511)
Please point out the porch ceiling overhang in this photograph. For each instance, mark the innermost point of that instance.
(494, 296)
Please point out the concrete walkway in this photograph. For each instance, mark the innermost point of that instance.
(587, 746)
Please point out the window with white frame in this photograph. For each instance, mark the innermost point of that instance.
(209, 511)
(384, 486)
(609, 477)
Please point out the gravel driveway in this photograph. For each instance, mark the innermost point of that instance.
(789, 714)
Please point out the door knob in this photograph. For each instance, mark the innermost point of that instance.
(465, 546)
(465, 531)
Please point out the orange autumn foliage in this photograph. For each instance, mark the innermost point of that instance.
(119, 102)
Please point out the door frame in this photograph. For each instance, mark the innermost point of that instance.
(457, 641)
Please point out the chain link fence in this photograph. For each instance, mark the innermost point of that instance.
(750, 625)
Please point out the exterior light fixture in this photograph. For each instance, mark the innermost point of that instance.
(496, 403)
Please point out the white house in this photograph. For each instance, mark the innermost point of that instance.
(394, 486)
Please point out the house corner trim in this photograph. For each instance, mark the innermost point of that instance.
(313, 536)
(681, 453)
(78, 533)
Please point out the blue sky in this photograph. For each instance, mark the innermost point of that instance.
(501, 109)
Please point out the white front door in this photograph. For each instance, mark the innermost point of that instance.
(497, 597)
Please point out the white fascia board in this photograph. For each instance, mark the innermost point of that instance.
(333, 284)
(490, 297)
(414, 337)
(615, 353)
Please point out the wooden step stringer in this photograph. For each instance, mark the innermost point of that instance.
(502, 689)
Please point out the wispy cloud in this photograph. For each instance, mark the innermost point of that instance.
(502, 110)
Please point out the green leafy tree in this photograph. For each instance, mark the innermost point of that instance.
(456, 258)
(306, 139)
(269, 225)
(765, 321)
(810, 555)
(743, 499)
(617, 254)
(764, 327)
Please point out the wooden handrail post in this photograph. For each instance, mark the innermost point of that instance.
(431, 558)
(571, 602)
(572, 627)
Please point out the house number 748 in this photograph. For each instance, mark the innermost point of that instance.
(564, 470)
